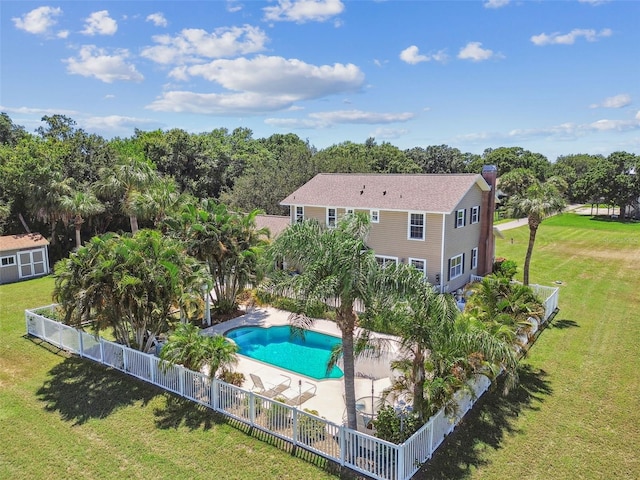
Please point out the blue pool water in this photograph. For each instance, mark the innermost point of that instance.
(275, 345)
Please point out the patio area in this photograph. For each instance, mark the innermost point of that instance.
(328, 400)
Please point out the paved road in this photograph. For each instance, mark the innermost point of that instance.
(523, 221)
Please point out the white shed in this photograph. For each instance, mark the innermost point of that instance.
(23, 257)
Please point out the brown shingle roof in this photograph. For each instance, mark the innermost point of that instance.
(430, 193)
(25, 240)
(275, 223)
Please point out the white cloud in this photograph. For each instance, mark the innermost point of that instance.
(37, 111)
(294, 123)
(410, 55)
(246, 103)
(193, 44)
(571, 37)
(388, 133)
(301, 11)
(473, 51)
(280, 76)
(233, 6)
(594, 2)
(340, 117)
(617, 101)
(95, 62)
(114, 122)
(157, 19)
(413, 56)
(100, 23)
(62, 34)
(39, 21)
(496, 3)
(563, 131)
(360, 117)
(262, 84)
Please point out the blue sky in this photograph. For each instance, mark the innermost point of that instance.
(554, 77)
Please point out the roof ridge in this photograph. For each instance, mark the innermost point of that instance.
(376, 174)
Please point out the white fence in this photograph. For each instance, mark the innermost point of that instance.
(360, 452)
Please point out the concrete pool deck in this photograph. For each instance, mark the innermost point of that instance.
(329, 399)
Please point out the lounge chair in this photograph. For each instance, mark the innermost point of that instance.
(258, 386)
(303, 396)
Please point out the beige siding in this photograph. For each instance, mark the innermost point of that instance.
(318, 213)
(462, 240)
(389, 237)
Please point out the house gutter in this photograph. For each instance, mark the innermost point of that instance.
(442, 255)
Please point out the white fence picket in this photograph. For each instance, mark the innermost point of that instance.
(369, 455)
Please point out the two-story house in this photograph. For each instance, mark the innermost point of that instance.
(441, 224)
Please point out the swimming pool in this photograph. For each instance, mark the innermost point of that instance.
(275, 345)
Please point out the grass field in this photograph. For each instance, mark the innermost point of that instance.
(64, 417)
(575, 414)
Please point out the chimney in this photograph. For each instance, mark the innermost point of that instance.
(486, 246)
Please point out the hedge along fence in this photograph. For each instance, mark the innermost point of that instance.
(362, 453)
(550, 296)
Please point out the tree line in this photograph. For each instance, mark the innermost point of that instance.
(62, 179)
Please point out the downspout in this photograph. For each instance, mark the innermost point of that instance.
(46, 259)
(442, 255)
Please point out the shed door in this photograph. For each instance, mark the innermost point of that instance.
(31, 263)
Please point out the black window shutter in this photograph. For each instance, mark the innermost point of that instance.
(464, 223)
(455, 219)
(463, 262)
(449, 271)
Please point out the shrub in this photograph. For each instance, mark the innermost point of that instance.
(234, 378)
(393, 427)
(505, 268)
(278, 414)
(315, 310)
(310, 429)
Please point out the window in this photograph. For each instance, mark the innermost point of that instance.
(385, 261)
(419, 264)
(475, 214)
(456, 266)
(8, 261)
(474, 258)
(299, 214)
(416, 226)
(375, 216)
(331, 217)
(348, 211)
(460, 218)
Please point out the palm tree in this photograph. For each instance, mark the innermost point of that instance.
(131, 284)
(160, 200)
(442, 348)
(188, 347)
(78, 206)
(536, 203)
(334, 264)
(421, 315)
(228, 242)
(45, 199)
(504, 306)
(123, 180)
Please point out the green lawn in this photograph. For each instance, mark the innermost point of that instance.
(575, 414)
(64, 417)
